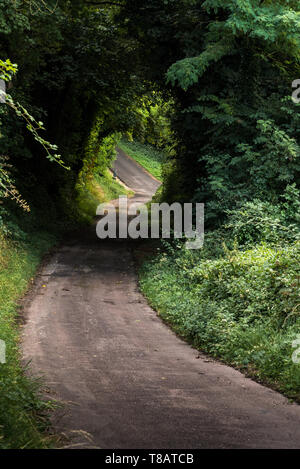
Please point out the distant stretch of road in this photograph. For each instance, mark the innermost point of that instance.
(135, 177)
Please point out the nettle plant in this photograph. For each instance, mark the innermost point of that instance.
(7, 187)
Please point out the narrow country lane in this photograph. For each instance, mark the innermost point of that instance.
(126, 380)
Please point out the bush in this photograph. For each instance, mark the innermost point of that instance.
(259, 221)
(241, 306)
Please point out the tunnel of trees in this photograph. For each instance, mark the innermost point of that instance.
(85, 69)
(209, 83)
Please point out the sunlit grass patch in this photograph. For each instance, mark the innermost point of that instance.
(98, 189)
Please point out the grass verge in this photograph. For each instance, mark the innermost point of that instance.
(146, 155)
(23, 412)
(97, 190)
(238, 306)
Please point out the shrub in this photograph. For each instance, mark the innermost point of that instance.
(238, 305)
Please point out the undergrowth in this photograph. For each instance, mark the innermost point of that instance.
(237, 299)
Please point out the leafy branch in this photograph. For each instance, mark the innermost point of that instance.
(7, 188)
(34, 127)
(37, 6)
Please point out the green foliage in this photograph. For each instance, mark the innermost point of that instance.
(238, 298)
(188, 71)
(151, 120)
(7, 70)
(272, 23)
(262, 169)
(259, 221)
(229, 67)
(241, 306)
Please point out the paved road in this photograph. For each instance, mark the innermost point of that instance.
(126, 380)
(135, 177)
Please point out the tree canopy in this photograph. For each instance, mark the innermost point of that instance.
(85, 69)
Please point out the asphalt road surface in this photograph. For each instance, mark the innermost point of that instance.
(125, 379)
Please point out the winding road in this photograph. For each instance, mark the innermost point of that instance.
(126, 380)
